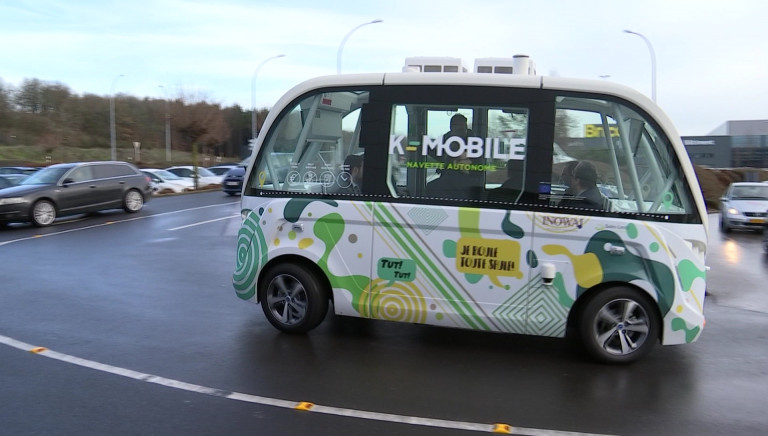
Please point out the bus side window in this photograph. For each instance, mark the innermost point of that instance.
(635, 168)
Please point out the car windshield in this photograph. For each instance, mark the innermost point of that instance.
(46, 176)
(751, 192)
(219, 171)
(167, 175)
(205, 172)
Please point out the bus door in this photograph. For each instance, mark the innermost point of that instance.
(450, 246)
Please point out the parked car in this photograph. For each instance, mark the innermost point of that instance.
(233, 180)
(73, 188)
(165, 182)
(744, 206)
(221, 169)
(18, 170)
(765, 236)
(204, 177)
(8, 180)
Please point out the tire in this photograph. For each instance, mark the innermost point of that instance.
(724, 226)
(133, 201)
(765, 241)
(619, 325)
(293, 298)
(43, 213)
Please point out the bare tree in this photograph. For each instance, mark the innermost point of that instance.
(564, 126)
(6, 111)
(46, 114)
(199, 124)
(29, 97)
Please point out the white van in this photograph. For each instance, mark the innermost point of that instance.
(466, 213)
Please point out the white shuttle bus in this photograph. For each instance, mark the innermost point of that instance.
(497, 202)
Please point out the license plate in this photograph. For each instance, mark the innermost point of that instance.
(231, 183)
(756, 220)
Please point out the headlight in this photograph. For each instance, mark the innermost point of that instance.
(732, 211)
(12, 200)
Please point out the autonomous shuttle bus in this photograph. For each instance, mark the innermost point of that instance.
(498, 202)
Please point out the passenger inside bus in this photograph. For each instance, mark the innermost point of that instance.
(510, 190)
(458, 181)
(584, 185)
(566, 176)
(459, 128)
(351, 177)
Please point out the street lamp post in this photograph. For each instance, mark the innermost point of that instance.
(112, 136)
(167, 127)
(653, 61)
(253, 93)
(344, 41)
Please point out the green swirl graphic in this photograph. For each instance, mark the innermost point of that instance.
(251, 256)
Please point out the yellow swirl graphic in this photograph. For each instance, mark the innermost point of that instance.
(398, 301)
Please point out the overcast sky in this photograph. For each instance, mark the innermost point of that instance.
(711, 56)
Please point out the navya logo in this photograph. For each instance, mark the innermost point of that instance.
(560, 223)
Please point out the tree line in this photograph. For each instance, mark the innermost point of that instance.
(50, 115)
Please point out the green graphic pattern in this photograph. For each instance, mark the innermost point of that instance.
(679, 324)
(533, 309)
(536, 309)
(251, 256)
(427, 268)
(629, 266)
(330, 229)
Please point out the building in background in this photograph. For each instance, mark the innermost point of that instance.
(740, 143)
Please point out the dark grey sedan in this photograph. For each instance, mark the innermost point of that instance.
(74, 188)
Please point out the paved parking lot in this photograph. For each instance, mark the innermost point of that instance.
(145, 336)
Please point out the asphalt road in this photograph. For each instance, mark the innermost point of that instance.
(143, 334)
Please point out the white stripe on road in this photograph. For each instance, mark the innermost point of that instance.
(205, 222)
(297, 405)
(114, 222)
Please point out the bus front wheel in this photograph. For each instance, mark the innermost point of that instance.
(293, 299)
(619, 325)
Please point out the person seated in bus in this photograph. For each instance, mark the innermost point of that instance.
(566, 176)
(351, 178)
(584, 185)
(510, 190)
(457, 181)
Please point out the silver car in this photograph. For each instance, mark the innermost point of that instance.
(744, 206)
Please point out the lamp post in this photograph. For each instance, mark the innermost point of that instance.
(112, 136)
(344, 41)
(653, 62)
(253, 93)
(167, 127)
